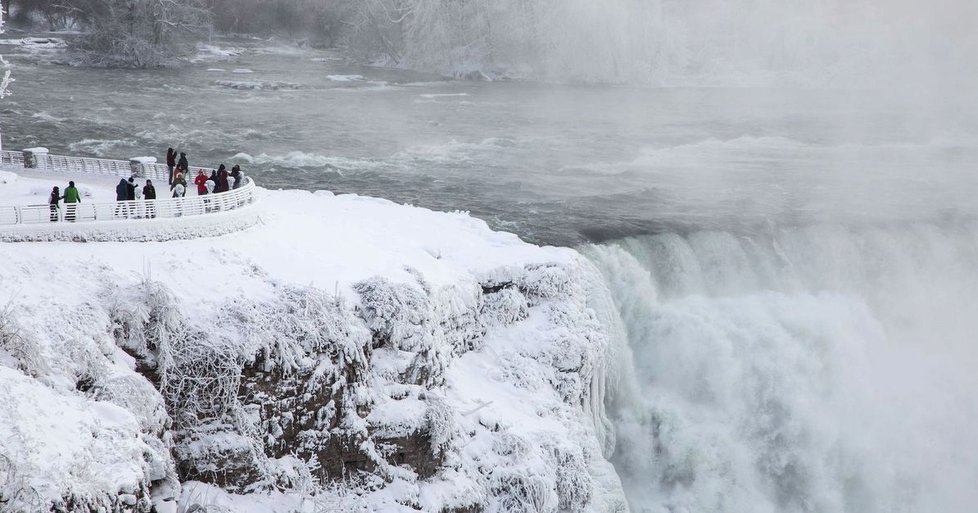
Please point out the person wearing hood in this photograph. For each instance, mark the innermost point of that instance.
(54, 200)
(236, 174)
(71, 197)
(183, 162)
(121, 194)
(222, 180)
(122, 190)
(171, 162)
(149, 194)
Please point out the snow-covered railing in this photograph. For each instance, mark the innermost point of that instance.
(137, 209)
(87, 165)
(12, 158)
(116, 210)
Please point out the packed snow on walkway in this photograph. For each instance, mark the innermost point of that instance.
(344, 354)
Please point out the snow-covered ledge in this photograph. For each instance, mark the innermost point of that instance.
(344, 354)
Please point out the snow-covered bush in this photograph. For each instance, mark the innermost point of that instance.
(286, 332)
(140, 33)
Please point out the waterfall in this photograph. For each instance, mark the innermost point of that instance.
(814, 369)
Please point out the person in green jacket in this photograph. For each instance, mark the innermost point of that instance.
(72, 196)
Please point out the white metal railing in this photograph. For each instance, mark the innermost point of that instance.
(87, 165)
(116, 210)
(12, 158)
(136, 209)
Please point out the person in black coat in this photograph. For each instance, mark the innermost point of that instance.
(183, 162)
(122, 190)
(149, 194)
(122, 194)
(171, 161)
(54, 201)
(236, 174)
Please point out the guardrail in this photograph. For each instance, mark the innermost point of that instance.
(87, 165)
(118, 210)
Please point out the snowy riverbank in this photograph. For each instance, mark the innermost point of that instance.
(344, 353)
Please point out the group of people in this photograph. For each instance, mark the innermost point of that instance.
(70, 197)
(220, 180)
(127, 190)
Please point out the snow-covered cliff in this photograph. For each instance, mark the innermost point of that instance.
(346, 353)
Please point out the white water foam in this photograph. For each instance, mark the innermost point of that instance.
(819, 369)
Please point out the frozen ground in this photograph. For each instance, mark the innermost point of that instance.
(518, 409)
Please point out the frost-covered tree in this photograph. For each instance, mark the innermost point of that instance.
(140, 33)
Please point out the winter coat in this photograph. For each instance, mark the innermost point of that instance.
(236, 174)
(149, 192)
(171, 158)
(222, 182)
(72, 195)
(54, 199)
(121, 190)
(201, 182)
(130, 191)
(184, 164)
(181, 181)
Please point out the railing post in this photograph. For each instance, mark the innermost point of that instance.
(35, 158)
(138, 165)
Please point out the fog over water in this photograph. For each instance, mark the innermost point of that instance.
(788, 229)
(554, 163)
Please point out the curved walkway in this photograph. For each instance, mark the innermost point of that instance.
(140, 220)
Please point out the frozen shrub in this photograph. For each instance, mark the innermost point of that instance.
(202, 381)
(574, 485)
(144, 320)
(299, 322)
(442, 423)
(138, 396)
(543, 282)
(21, 347)
(510, 445)
(505, 307)
(517, 491)
(397, 314)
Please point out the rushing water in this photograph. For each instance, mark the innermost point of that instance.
(794, 269)
(554, 163)
(818, 369)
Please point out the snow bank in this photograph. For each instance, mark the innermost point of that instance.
(345, 353)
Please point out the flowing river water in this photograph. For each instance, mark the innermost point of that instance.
(794, 268)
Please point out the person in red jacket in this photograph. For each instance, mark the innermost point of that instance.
(201, 181)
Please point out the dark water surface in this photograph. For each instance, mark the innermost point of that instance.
(557, 164)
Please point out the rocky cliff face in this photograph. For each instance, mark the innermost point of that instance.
(476, 396)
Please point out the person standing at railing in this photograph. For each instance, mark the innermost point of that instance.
(54, 200)
(222, 179)
(122, 195)
(71, 197)
(183, 162)
(236, 174)
(201, 182)
(179, 187)
(149, 194)
(171, 162)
